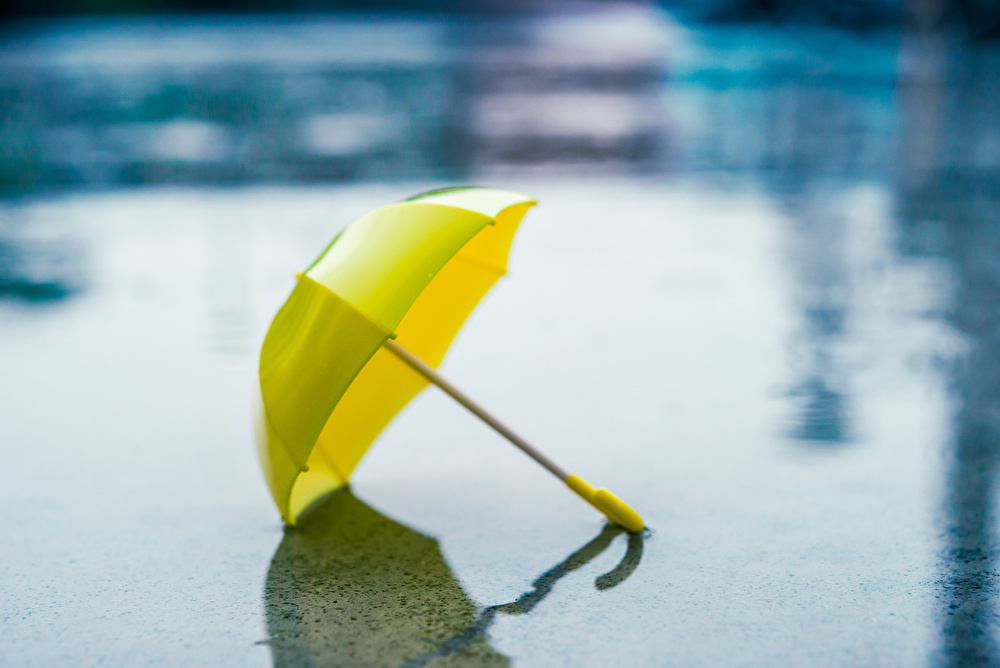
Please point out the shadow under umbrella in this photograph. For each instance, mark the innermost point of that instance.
(351, 587)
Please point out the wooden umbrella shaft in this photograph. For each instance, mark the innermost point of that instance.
(431, 374)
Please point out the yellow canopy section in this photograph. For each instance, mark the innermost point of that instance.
(413, 271)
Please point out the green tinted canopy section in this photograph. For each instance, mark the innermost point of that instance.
(413, 271)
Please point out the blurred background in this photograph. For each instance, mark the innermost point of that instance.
(796, 201)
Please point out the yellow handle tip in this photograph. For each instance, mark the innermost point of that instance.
(618, 511)
(610, 505)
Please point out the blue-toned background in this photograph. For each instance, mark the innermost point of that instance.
(759, 299)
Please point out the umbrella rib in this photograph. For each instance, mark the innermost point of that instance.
(431, 374)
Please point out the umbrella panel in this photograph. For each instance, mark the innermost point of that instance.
(384, 385)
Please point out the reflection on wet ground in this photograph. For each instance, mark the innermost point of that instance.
(949, 199)
(41, 261)
(970, 580)
(350, 587)
(806, 219)
(542, 586)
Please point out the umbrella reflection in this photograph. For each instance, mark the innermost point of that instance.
(541, 588)
(349, 586)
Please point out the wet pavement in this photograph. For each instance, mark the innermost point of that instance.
(775, 336)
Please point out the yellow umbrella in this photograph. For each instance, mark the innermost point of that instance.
(364, 329)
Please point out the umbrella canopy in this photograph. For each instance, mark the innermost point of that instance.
(411, 271)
